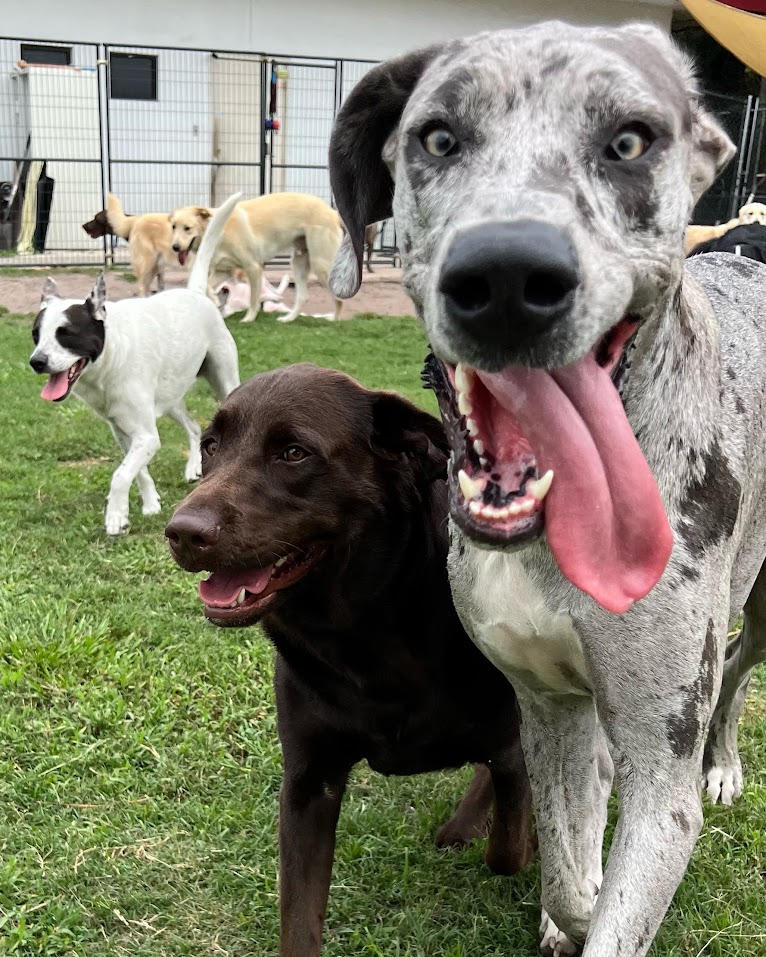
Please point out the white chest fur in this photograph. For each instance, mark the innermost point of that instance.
(514, 627)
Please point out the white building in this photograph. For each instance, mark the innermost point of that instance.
(164, 102)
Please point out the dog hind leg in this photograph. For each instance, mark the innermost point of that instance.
(254, 273)
(722, 768)
(180, 414)
(300, 267)
(322, 250)
(469, 822)
(220, 368)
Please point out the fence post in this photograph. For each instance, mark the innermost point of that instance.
(103, 114)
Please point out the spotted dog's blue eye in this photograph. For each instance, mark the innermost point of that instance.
(440, 142)
(629, 144)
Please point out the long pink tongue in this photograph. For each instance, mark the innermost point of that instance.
(604, 518)
(220, 591)
(56, 386)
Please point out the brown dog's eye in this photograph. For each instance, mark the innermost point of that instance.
(210, 446)
(440, 142)
(630, 143)
(294, 453)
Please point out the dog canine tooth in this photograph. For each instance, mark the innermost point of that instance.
(280, 561)
(464, 404)
(468, 486)
(240, 597)
(539, 489)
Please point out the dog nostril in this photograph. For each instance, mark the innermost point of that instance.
(173, 537)
(545, 290)
(470, 293)
(199, 541)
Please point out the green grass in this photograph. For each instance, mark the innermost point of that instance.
(139, 765)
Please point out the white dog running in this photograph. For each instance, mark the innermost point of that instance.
(134, 361)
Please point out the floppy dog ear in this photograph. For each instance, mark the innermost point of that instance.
(360, 180)
(401, 428)
(202, 213)
(711, 150)
(50, 291)
(97, 298)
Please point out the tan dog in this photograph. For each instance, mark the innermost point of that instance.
(701, 234)
(753, 213)
(750, 213)
(260, 229)
(149, 240)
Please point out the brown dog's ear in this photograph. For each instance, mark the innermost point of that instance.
(360, 180)
(400, 428)
(203, 213)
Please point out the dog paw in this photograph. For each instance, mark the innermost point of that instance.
(286, 318)
(193, 471)
(247, 318)
(723, 783)
(116, 523)
(553, 942)
(152, 507)
(455, 834)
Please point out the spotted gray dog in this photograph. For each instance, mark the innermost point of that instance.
(605, 404)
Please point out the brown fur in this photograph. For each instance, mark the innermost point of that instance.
(372, 661)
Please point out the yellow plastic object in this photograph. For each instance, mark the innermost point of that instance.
(743, 34)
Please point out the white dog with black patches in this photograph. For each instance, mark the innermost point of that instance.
(134, 361)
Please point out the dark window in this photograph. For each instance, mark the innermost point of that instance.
(39, 53)
(132, 76)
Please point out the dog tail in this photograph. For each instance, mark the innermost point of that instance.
(210, 238)
(120, 223)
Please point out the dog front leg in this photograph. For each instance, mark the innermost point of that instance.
(143, 446)
(309, 807)
(570, 772)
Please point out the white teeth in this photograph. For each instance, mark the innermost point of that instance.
(464, 404)
(475, 507)
(463, 377)
(540, 488)
(240, 597)
(522, 507)
(470, 488)
(479, 446)
(483, 462)
(280, 561)
(471, 426)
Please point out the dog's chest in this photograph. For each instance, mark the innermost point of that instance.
(513, 625)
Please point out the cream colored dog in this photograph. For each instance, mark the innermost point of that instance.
(260, 229)
(149, 240)
(750, 213)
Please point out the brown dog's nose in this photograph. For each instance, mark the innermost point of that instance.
(192, 533)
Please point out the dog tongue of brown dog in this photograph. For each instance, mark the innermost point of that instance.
(220, 591)
(604, 518)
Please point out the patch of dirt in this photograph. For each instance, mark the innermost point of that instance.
(381, 291)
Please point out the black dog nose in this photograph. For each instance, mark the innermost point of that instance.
(509, 281)
(176, 248)
(192, 531)
(38, 363)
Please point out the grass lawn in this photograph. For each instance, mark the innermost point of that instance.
(139, 765)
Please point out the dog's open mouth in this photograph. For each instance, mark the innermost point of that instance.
(538, 450)
(240, 598)
(60, 384)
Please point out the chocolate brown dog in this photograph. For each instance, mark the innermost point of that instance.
(322, 514)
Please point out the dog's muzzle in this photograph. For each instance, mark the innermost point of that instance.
(504, 284)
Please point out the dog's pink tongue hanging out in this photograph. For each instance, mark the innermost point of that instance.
(605, 521)
(56, 386)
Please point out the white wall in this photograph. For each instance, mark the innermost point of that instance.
(358, 29)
